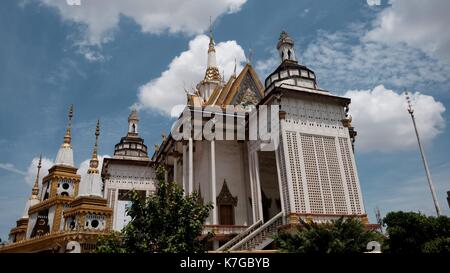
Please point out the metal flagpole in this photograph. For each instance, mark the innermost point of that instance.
(422, 153)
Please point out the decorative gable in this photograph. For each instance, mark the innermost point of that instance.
(225, 196)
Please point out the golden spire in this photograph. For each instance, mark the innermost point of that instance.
(212, 72)
(35, 191)
(93, 164)
(68, 135)
(211, 39)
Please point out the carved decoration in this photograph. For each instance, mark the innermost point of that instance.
(248, 92)
(225, 197)
(247, 98)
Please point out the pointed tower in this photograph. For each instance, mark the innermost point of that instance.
(59, 188)
(89, 211)
(285, 48)
(129, 169)
(19, 232)
(212, 79)
(92, 183)
(65, 153)
(290, 72)
(132, 145)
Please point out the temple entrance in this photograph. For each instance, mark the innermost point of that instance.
(226, 204)
(268, 176)
(226, 216)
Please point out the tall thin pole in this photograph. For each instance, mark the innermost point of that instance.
(422, 153)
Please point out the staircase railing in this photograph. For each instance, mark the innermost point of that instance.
(261, 235)
(240, 236)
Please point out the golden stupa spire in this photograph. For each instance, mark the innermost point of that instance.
(93, 164)
(211, 38)
(212, 72)
(35, 191)
(68, 135)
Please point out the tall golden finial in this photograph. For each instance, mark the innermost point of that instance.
(68, 135)
(35, 191)
(93, 164)
(211, 38)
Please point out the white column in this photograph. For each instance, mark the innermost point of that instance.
(252, 186)
(258, 186)
(280, 182)
(185, 162)
(191, 166)
(213, 183)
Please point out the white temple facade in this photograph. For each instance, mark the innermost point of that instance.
(256, 187)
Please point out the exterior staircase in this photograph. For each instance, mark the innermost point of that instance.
(240, 236)
(256, 237)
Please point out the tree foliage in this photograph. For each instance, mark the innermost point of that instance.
(110, 243)
(166, 221)
(345, 235)
(410, 232)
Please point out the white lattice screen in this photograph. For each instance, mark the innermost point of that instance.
(327, 166)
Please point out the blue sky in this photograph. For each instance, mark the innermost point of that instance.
(106, 56)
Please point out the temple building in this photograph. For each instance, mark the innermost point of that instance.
(65, 210)
(305, 170)
(311, 173)
(130, 168)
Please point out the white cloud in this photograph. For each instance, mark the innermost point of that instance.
(373, 2)
(266, 66)
(343, 60)
(185, 71)
(383, 123)
(100, 18)
(11, 168)
(420, 24)
(84, 166)
(30, 175)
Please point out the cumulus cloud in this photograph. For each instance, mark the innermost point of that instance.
(383, 123)
(30, 175)
(344, 63)
(84, 166)
(185, 71)
(420, 24)
(100, 18)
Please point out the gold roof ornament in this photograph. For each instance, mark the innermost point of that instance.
(212, 72)
(93, 164)
(68, 135)
(35, 190)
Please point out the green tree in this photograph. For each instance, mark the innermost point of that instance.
(166, 221)
(410, 232)
(110, 243)
(345, 235)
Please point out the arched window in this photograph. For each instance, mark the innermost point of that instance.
(289, 54)
(134, 128)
